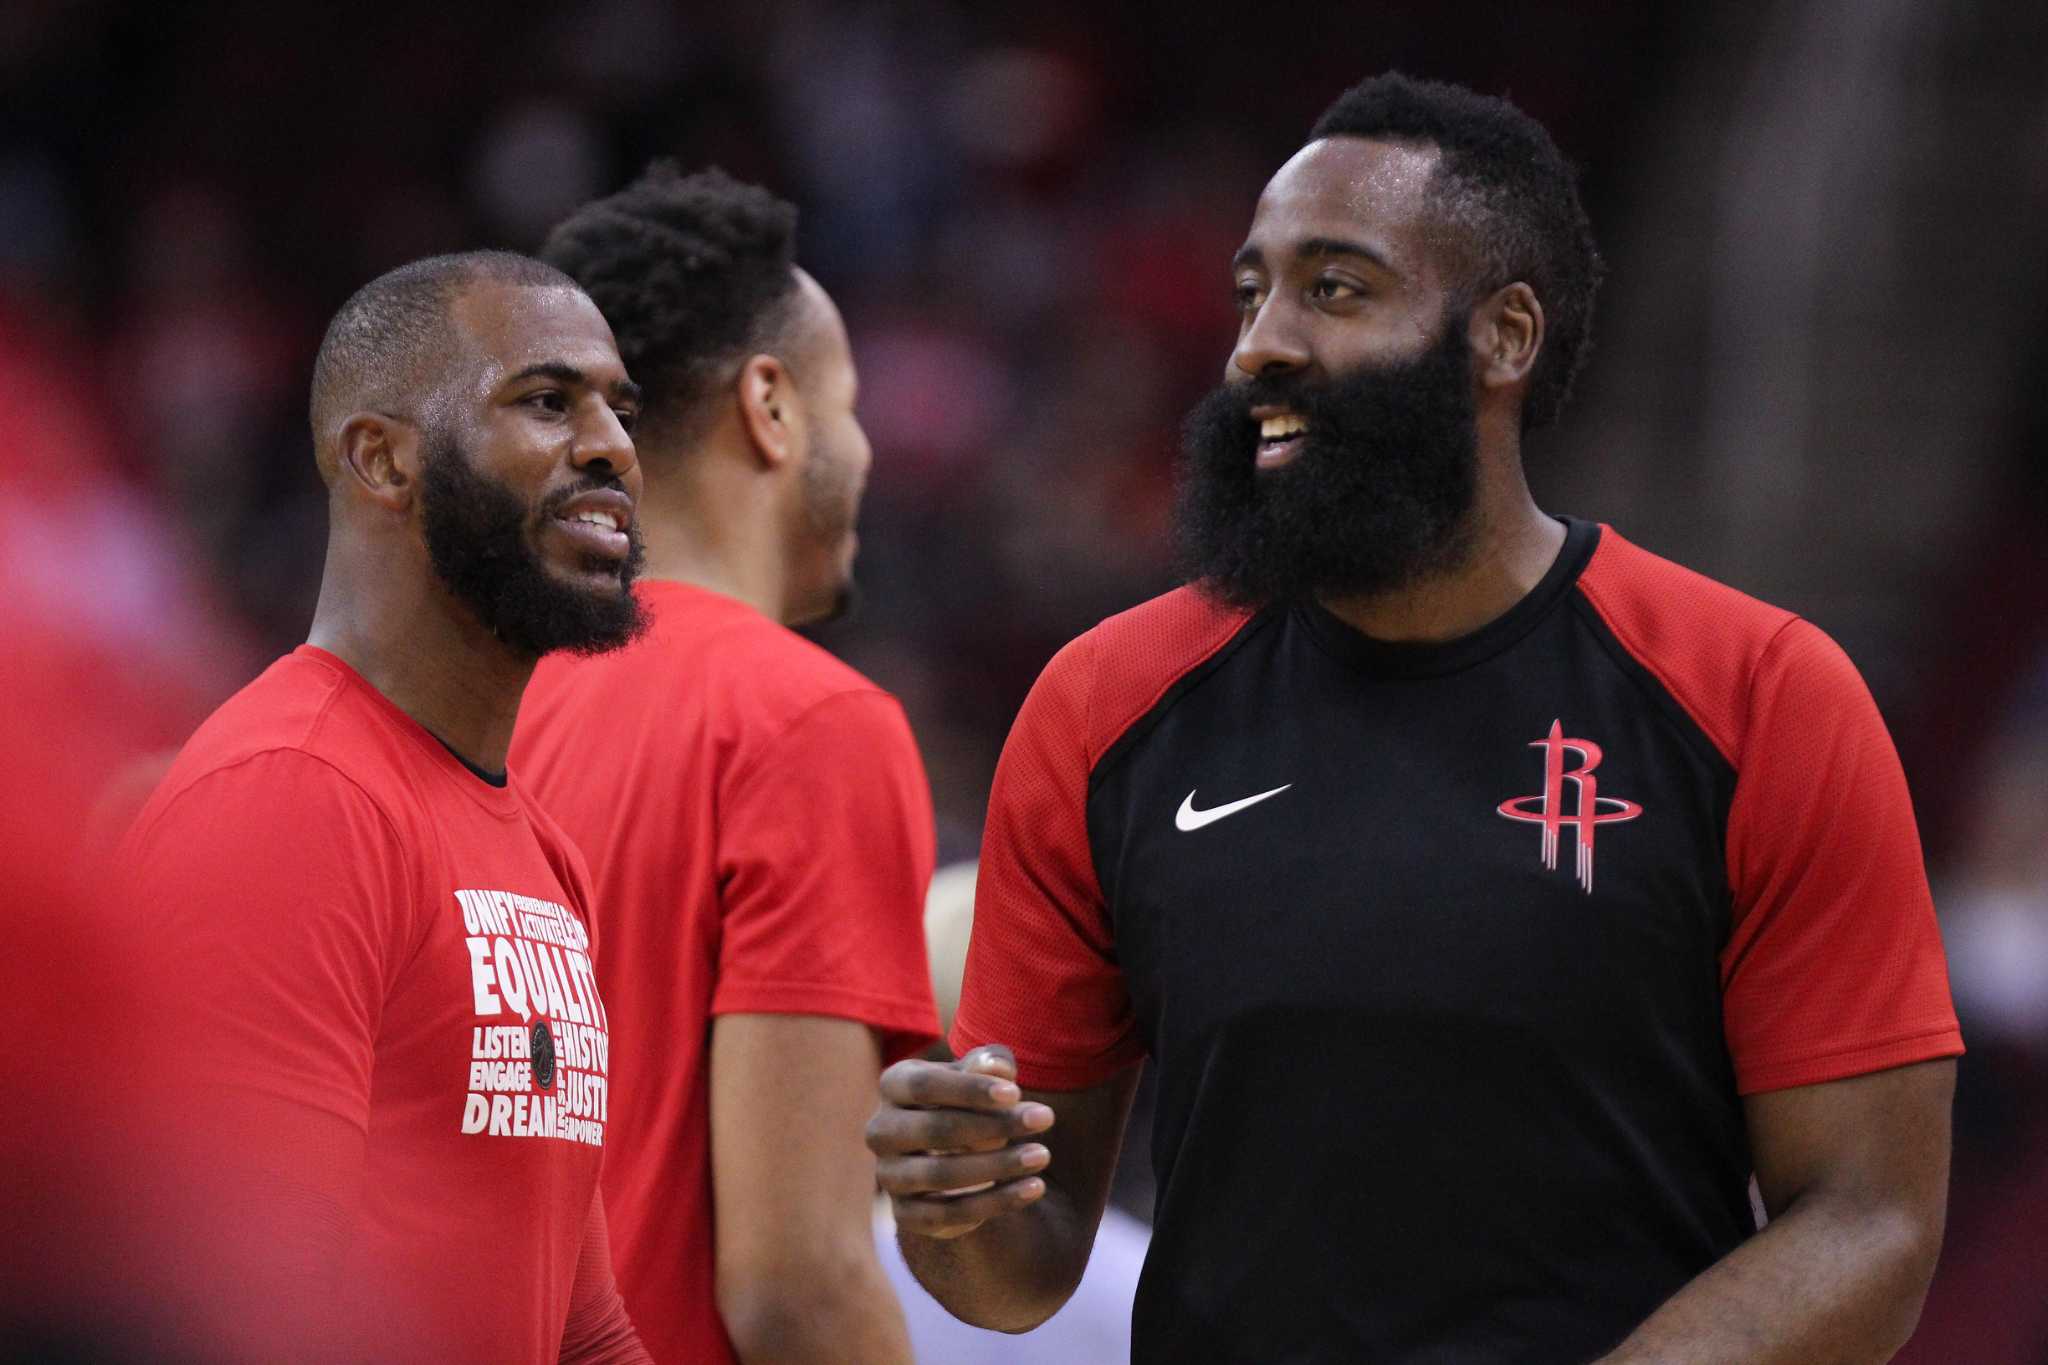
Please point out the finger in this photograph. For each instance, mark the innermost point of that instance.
(931, 1215)
(991, 1059)
(938, 1174)
(894, 1131)
(938, 1085)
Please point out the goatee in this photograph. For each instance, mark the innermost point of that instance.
(1377, 498)
(479, 539)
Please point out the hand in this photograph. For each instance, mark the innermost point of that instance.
(949, 1142)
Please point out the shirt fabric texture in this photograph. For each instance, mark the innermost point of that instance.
(757, 818)
(389, 986)
(1453, 1013)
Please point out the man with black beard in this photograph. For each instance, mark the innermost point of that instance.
(1437, 1080)
(382, 947)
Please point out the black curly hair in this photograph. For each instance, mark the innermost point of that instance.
(1502, 185)
(694, 273)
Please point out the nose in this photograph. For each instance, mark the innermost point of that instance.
(1271, 343)
(604, 440)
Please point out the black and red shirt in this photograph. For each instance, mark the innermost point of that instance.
(1454, 960)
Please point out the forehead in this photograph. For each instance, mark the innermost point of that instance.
(1349, 189)
(511, 326)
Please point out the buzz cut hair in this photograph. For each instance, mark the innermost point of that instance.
(693, 272)
(1508, 195)
(388, 347)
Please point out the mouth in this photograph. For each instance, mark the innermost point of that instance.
(595, 523)
(1280, 436)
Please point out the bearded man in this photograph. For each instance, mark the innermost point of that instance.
(1493, 897)
(382, 948)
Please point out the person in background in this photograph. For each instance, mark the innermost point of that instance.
(388, 1036)
(755, 811)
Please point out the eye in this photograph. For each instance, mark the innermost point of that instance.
(1247, 295)
(547, 400)
(628, 418)
(1330, 288)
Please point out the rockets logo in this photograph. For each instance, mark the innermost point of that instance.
(1589, 811)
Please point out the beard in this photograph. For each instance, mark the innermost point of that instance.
(1377, 498)
(479, 542)
(831, 493)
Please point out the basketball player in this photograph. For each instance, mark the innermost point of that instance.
(760, 825)
(1493, 897)
(396, 1046)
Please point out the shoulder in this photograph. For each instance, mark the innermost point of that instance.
(287, 736)
(1115, 674)
(1712, 647)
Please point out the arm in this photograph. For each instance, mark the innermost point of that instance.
(597, 1330)
(278, 888)
(1854, 1174)
(1007, 1257)
(798, 1278)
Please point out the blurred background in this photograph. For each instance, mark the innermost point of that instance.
(1816, 368)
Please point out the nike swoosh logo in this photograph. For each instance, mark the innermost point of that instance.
(1187, 819)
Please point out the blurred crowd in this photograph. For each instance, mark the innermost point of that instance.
(1811, 376)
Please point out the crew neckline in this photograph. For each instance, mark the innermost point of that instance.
(1407, 658)
(494, 797)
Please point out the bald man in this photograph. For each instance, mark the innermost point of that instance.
(384, 948)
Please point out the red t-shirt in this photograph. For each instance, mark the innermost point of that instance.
(758, 822)
(385, 974)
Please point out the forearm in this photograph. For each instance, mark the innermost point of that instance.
(1011, 1273)
(816, 1314)
(1824, 1284)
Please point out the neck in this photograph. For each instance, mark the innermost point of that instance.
(423, 650)
(1511, 544)
(712, 522)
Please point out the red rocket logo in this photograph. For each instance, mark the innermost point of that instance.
(1589, 810)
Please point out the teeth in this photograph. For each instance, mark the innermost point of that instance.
(1277, 428)
(604, 519)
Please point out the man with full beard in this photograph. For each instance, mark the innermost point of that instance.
(760, 827)
(382, 948)
(1437, 1081)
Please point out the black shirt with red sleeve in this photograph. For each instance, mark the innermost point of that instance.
(1454, 960)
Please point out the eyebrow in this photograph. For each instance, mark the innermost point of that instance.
(624, 389)
(1311, 249)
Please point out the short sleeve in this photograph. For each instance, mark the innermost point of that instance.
(825, 848)
(1042, 976)
(274, 888)
(1835, 966)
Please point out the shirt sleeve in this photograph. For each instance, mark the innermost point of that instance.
(825, 848)
(276, 890)
(1835, 966)
(1042, 976)
(598, 1331)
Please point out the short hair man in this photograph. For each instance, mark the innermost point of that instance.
(385, 946)
(755, 810)
(1493, 897)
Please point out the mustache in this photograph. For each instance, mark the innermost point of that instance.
(584, 483)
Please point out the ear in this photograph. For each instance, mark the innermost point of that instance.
(1507, 334)
(379, 457)
(769, 410)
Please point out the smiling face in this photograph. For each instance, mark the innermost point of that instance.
(1343, 270)
(530, 482)
(1340, 456)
